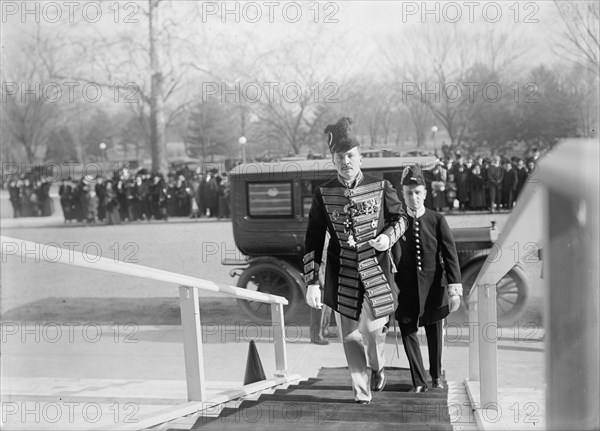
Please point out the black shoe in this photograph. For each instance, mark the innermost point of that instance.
(437, 383)
(419, 389)
(320, 341)
(362, 402)
(378, 380)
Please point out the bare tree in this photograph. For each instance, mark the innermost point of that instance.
(293, 84)
(437, 66)
(405, 74)
(209, 130)
(583, 83)
(157, 114)
(374, 106)
(578, 40)
(150, 73)
(31, 102)
(579, 37)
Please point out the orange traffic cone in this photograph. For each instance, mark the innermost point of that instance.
(254, 368)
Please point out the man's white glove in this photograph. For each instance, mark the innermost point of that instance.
(313, 296)
(453, 303)
(381, 243)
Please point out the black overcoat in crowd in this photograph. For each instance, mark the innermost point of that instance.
(522, 175)
(353, 271)
(476, 189)
(428, 262)
(461, 174)
(510, 181)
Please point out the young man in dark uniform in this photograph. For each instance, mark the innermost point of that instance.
(364, 218)
(427, 252)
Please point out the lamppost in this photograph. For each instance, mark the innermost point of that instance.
(103, 150)
(434, 130)
(242, 142)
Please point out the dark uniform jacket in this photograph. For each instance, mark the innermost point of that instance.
(494, 175)
(522, 175)
(510, 181)
(353, 216)
(426, 251)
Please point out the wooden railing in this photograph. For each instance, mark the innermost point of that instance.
(558, 211)
(190, 314)
(519, 230)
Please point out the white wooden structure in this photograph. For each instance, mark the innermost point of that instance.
(558, 211)
(190, 319)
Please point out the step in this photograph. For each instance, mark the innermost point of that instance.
(327, 402)
(347, 396)
(341, 370)
(284, 410)
(391, 384)
(402, 373)
(216, 424)
(376, 403)
(347, 377)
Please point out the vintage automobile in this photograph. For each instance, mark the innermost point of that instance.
(269, 207)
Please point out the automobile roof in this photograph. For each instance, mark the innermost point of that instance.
(370, 164)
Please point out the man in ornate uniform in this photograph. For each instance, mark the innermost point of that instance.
(364, 218)
(427, 252)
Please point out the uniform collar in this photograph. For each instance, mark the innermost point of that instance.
(351, 184)
(416, 214)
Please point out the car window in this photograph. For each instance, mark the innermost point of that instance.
(270, 199)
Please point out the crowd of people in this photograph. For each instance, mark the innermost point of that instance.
(30, 198)
(457, 183)
(477, 183)
(127, 196)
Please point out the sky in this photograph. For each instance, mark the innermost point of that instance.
(359, 25)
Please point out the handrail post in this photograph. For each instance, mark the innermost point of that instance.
(488, 354)
(192, 343)
(279, 339)
(572, 302)
(474, 332)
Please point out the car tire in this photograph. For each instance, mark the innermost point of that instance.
(511, 295)
(275, 277)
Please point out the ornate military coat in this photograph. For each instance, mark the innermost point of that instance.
(355, 270)
(428, 261)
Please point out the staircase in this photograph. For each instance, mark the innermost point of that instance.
(327, 402)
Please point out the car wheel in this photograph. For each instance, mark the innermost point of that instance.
(278, 278)
(511, 293)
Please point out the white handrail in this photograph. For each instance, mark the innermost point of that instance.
(69, 257)
(188, 298)
(518, 231)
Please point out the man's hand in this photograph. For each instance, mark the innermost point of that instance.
(453, 303)
(313, 296)
(381, 243)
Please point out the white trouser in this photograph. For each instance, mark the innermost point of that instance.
(364, 342)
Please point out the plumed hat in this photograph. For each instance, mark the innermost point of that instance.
(340, 137)
(412, 176)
